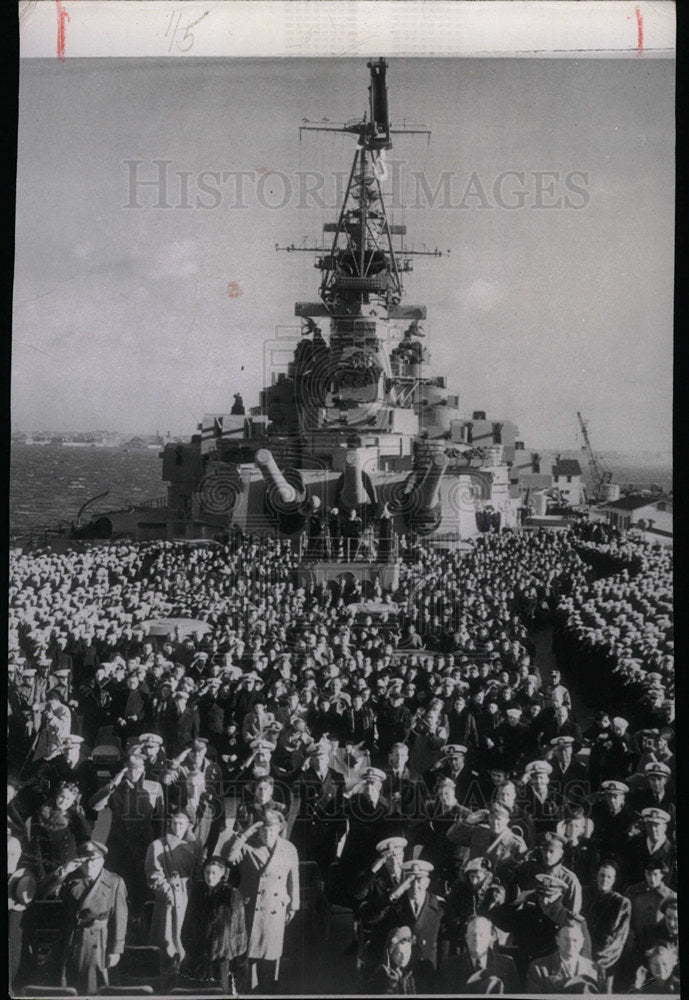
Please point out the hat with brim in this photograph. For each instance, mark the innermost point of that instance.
(21, 887)
(417, 868)
(550, 882)
(391, 844)
(397, 935)
(562, 741)
(91, 849)
(215, 859)
(551, 837)
(615, 787)
(657, 769)
(653, 815)
(151, 739)
(538, 767)
(478, 865)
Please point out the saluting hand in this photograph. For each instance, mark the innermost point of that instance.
(401, 889)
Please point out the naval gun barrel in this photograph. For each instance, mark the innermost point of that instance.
(284, 493)
(428, 512)
(286, 501)
(353, 488)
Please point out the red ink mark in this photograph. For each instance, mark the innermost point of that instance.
(639, 31)
(233, 289)
(62, 16)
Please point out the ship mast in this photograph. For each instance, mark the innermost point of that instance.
(362, 264)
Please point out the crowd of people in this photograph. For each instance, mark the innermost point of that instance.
(405, 754)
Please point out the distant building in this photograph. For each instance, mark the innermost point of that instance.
(564, 483)
(568, 479)
(652, 516)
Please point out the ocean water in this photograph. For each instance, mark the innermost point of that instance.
(49, 483)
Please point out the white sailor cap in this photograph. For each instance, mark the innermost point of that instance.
(538, 767)
(657, 768)
(653, 815)
(151, 739)
(391, 844)
(616, 787)
(417, 868)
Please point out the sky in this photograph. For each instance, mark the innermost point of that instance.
(551, 183)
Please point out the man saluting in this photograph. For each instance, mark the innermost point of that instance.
(95, 919)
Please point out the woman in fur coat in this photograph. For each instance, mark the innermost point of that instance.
(214, 931)
(58, 829)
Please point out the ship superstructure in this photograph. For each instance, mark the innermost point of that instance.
(357, 420)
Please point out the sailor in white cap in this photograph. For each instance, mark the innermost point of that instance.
(414, 906)
(368, 816)
(136, 807)
(319, 790)
(651, 844)
(156, 762)
(656, 791)
(377, 882)
(612, 819)
(452, 764)
(511, 738)
(197, 789)
(70, 765)
(543, 803)
(566, 768)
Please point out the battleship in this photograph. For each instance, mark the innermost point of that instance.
(357, 420)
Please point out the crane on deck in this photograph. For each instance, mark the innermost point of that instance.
(600, 474)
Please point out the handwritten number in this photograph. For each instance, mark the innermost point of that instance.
(183, 37)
